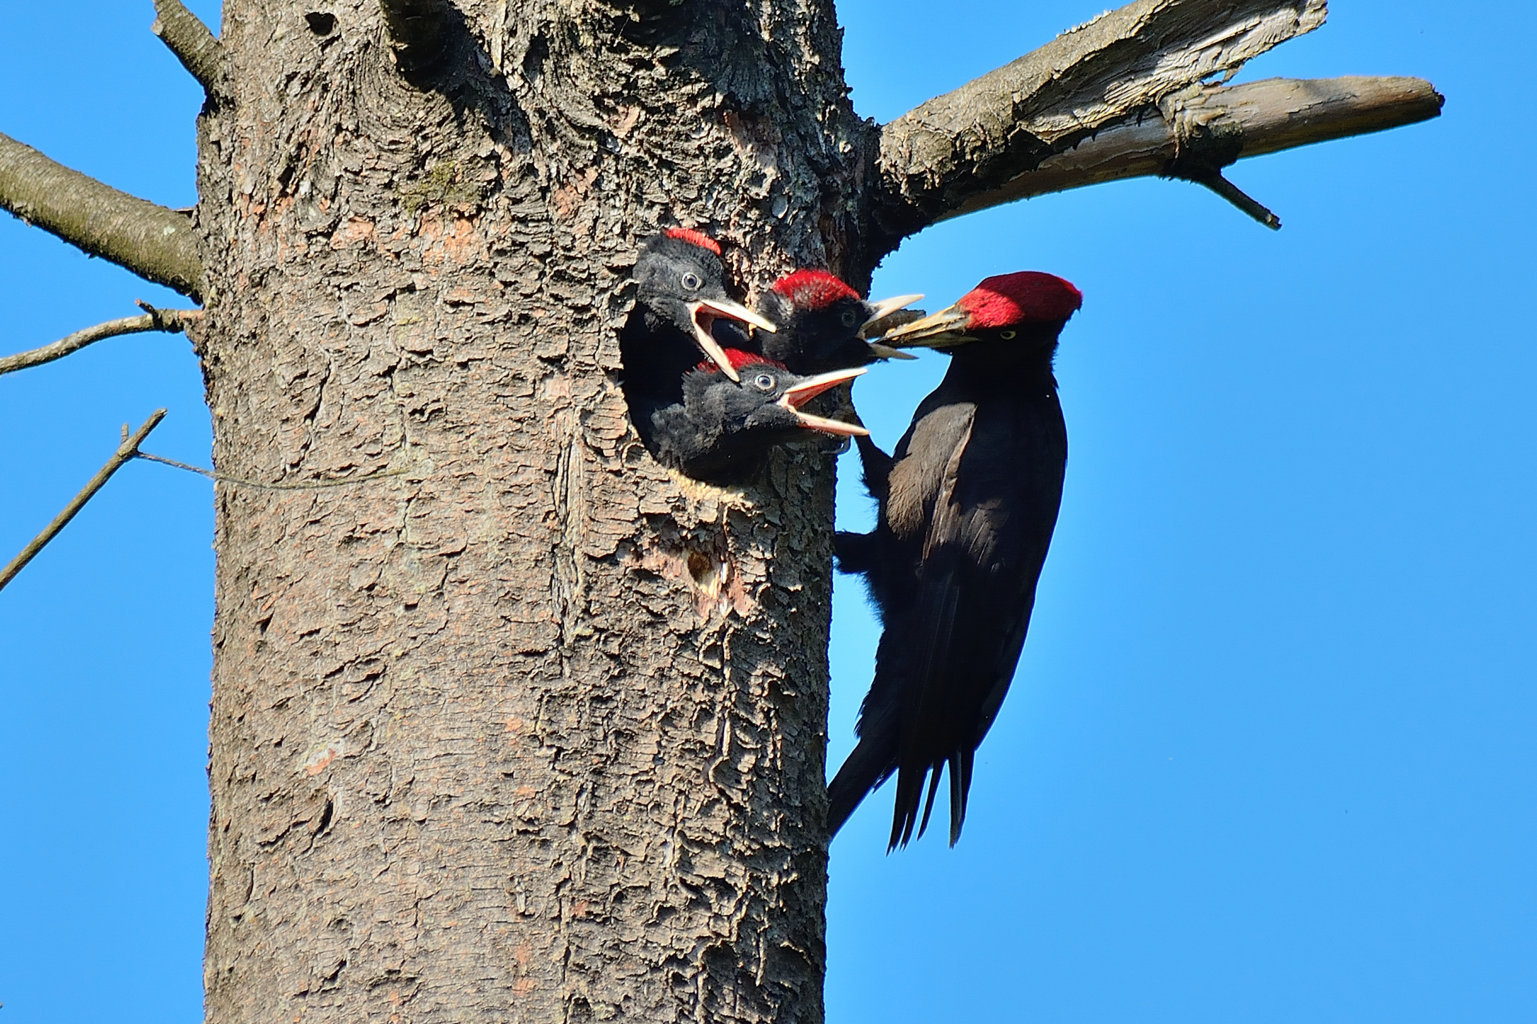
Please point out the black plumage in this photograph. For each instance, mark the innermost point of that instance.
(967, 505)
(722, 428)
(681, 293)
(820, 321)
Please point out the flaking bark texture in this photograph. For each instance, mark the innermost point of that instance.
(533, 730)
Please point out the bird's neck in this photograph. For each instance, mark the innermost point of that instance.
(1005, 366)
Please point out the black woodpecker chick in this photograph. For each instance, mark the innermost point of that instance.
(967, 504)
(821, 321)
(681, 292)
(722, 428)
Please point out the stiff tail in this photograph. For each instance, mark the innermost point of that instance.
(866, 768)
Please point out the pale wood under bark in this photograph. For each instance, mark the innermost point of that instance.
(152, 241)
(938, 156)
(1221, 124)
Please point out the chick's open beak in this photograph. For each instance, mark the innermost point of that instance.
(803, 392)
(705, 312)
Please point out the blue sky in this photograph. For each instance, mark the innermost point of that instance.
(1269, 755)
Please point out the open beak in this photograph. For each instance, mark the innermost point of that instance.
(880, 351)
(884, 308)
(937, 330)
(798, 395)
(706, 311)
(880, 311)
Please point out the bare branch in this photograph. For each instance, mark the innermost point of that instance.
(418, 35)
(1216, 125)
(125, 451)
(171, 321)
(1239, 198)
(194, 45)
(936, 157)
(150, 240)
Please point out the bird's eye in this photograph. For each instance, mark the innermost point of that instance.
(1007, 335)
(850, 318)
(764, 382)
(691, 281)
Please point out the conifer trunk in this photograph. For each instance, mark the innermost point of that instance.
(522, 727)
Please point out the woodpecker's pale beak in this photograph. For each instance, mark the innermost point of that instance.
(880, 311)
(937, 330)
(706, 311)
(885, 307)
(799, 394)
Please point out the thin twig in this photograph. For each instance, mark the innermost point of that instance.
(306, 485)
(1241, 199)
(143, 237)
(172, 321)
(125, 451)
(194, 45)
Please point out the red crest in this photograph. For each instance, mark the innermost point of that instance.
(693, 237)
(1028, 296)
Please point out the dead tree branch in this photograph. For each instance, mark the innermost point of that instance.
(945, 156)
(125, 451)
(150, 240)
(418, 31)
(1215, 125)
(171, 321)
(193, 44)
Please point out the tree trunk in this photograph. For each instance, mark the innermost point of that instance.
(508, 722)
(529, 729)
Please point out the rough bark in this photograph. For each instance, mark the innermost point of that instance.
(534, 732)
(518, 726)
(940, 157)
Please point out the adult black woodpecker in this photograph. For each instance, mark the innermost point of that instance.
(722, 427)
(967, 504)
(820, 321)
(681, 293)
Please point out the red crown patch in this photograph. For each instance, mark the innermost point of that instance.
(693, 237)
(740, 359)
(1028, 296)
(813, 289)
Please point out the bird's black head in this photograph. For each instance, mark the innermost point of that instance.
(766, 404)
(682, 287)
(820, 321)
(1020, 313)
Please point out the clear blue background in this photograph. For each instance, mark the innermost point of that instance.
(1269, 755)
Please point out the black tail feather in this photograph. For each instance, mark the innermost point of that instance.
(928, 803)
(960, 785)
(865, 768)
(904, 814)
